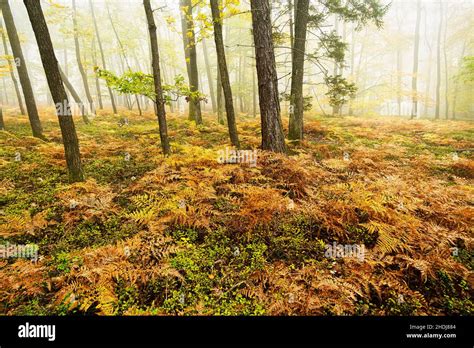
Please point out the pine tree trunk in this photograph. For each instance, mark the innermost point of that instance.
(50, 65)
(224, 73)
(297, 74)
(22, 70)
(12, 73)
(79, 61)
(273, 138)
(159, 100)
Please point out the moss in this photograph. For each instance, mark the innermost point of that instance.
(397, 304)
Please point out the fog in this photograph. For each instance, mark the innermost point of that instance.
(378, 60)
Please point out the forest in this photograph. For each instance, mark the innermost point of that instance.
(237, 157)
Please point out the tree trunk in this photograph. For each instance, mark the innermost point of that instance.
(22, 70)
(79, 61)
(12, 73)
(220, 112)
(428, 80)
(351, 110)
(50, 65)
(123, 62)
(209, 76)
(2, 124)
(297, 73)
(97, 83)
(5, 90)
(74, 94)
(159, 101)
(254, 94)
(224, 73)
(240, 81)
(438, 63)
(189, 41)
(335, 109)
(101, 50)
(456, 86)
(273, 138)
(414, 89)
(446, 71)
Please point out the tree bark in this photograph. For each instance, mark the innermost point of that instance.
(273, 138)
(12, 73)
(438, 63)
(428, 80)
(220, 108)
(297, 72)
(446, 71)
(101, 50)
(122, 50)
(73, 93)
(97, 83)
(159, 101)
(189, 41)
(209, 76)
(414, 89)
(50, 65)
(22, 70)
(224, 73)
(2, 124)
(79, 61)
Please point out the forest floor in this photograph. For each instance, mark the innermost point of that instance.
(187, 235)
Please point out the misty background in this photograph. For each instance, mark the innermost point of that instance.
(379, 61)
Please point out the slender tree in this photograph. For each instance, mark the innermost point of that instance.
(224, 73)
(79, 60)
(101, 50)
(12, 72)
(438, 61)
(22, 70)
(220, 108)
(456, 85)
(209, 76)
(123, 59)
(74, 94)
(2, 124)
(273, 138)
(429, 68)
(297, 71)
(50, 65)
(97, 83)
(189, 42)
(159, 100)
(446, 69)
(414, 80)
